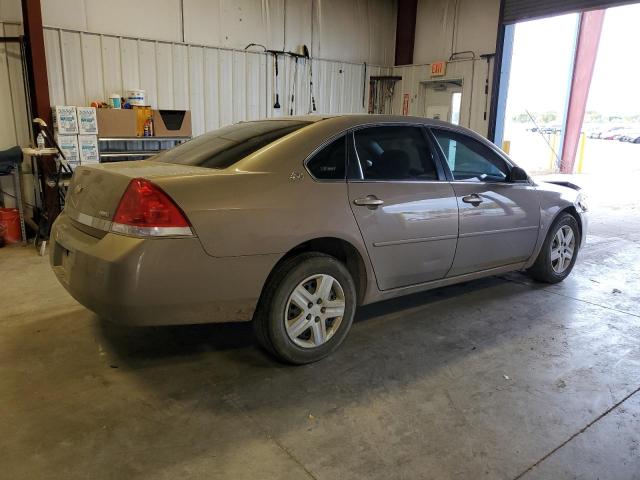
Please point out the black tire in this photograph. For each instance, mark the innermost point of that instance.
(269, 323)
(542, 269)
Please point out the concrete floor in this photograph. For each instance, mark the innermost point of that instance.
(498, 378)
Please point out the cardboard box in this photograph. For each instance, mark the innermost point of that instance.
(69, 146)
(142, 115)
(87, 121)
(65, 120)
(172, 123)
(116, 122)
(88, 146)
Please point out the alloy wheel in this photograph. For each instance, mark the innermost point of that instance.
(562, 249)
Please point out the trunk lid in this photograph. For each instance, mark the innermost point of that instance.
(95, 191)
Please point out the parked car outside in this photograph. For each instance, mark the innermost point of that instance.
(292, 223)
(631, 136)
(614, 133)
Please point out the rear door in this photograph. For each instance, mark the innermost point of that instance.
(404, 207)
(499, 220)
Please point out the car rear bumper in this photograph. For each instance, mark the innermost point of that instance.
(166, 281)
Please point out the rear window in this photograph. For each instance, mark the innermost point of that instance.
(224, 147)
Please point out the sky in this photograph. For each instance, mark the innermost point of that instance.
(542, 62)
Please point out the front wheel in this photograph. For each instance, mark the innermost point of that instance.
(559, 251)
(306, 309)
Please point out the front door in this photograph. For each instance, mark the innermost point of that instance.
(405, 209)
(499, 220)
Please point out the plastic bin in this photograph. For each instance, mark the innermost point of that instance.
(10, 220)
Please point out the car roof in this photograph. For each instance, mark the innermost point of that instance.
(339, 122)
(356, 119)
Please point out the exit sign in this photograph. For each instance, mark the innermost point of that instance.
(438, 69)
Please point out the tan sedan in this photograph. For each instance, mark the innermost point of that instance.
(292, 223)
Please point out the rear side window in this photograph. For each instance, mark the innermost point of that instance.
(470, 160)
(394, 153)
(223, 147)
(329, 163)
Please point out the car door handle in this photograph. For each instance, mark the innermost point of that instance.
(473, 199)
(370, 201)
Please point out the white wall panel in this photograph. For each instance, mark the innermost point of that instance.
(156, 19)
(70, 14)
(164, 75)
(16, 80)
(148, 71)
(92, 67)
(202, 22)
(111, 65)
(219, 86)
(7, 131)
(54, 66)
(226, 88)
(211, 99)
(129, 64)
(348, 30)
(180, 77)
(10, 11)
(196, 89)
(72, 67)
(444, 27)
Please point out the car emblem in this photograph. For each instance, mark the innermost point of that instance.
(78, 189)
(104, 213)
(296, 176)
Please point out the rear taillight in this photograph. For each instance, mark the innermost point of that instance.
(145, 210)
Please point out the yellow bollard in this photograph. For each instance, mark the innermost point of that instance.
(583, 140)
(506, 146)
(552, 155)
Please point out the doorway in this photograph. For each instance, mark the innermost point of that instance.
(442, 100)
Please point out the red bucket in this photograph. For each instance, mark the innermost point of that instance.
(10, 220)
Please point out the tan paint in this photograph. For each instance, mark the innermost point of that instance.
(247, 217)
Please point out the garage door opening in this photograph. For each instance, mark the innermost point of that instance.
(537, 102)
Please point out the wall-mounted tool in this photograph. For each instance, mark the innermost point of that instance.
(312, 97)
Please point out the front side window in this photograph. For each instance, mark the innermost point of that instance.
(394, 153)
(329, 163)
(470, 160)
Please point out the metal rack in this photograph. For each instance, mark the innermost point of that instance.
(119, 149)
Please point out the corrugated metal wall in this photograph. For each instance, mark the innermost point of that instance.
(14, 126)
(220, 86)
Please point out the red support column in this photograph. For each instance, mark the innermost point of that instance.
(39, 95)
(585, 59)
(405, 31)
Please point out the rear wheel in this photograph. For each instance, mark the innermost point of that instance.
(559, 251)
(306, 309)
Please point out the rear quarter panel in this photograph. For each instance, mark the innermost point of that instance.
(262, 213)
(268, 203)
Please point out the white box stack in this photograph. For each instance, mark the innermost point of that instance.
(87, 121)
(69, 146)
(88, 146)
(76, 131)
(65, 120)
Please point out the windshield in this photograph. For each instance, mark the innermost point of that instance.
(225, 146)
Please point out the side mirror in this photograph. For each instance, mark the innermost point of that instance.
(518, 174)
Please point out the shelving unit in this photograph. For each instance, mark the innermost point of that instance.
(119, 149)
